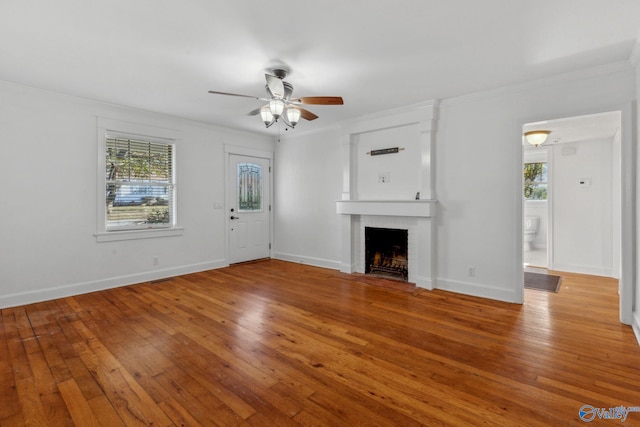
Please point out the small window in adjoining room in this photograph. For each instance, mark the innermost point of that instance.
(535, 181)
(139, 184)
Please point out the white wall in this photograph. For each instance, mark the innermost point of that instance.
(49, 203)
(616, 203)
(479, 172)
(582, 214)
(478, 161)
(401, 171)
(308, 182)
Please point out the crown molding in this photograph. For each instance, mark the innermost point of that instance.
(115, 110)
(601, 70)
(424, 113)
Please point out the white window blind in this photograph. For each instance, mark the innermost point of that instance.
(139, 191)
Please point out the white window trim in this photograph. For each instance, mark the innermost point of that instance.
(134, 130)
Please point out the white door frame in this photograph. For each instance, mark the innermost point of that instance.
(244, 151)
(627, 223)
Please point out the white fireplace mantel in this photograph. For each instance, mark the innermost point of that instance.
(365, 200)
(406, 208)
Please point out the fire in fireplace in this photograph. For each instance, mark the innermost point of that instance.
(386, 252)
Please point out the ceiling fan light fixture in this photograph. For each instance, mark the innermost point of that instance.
(276, 106)
(280, 105)
(293, 116)
(536, 137)
(266, 116)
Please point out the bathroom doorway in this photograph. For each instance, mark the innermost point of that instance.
(572, 186)
(537, 180)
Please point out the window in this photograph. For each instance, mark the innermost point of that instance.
(535, 181)
(249, 187)
(139, 183)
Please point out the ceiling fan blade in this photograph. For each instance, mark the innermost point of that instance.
(275, 85)
(306, 114)
(320, 100)
(215, 92)
(254, 112)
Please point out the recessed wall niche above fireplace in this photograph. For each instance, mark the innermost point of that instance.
(386, 252)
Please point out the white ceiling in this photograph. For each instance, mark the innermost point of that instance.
(164, 55)
(581, 128)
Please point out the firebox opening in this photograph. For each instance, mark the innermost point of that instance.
(386, 252)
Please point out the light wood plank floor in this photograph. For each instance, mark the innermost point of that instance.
(276, 344)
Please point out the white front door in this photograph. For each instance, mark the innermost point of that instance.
(249, 208)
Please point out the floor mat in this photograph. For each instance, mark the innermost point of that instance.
(542, 282)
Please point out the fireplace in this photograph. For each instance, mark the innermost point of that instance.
(386, 252)
(392, 204)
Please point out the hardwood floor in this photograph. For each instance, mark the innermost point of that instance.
(275, 344)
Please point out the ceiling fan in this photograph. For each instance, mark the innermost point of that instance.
(281, 104)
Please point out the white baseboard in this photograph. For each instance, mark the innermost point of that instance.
(476, 290)
(301, 259)
(47, 294)
(583, 269)
(346, 268)
(422, 282)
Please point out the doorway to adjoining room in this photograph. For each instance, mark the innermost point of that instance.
(572, 195)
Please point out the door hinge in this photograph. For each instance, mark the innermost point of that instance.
(269, 208)
(269, 245)
(269, 169)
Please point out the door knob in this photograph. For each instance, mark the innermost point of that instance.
(234, 217)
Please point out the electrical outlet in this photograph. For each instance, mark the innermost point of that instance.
(156, 260)
(471, 271)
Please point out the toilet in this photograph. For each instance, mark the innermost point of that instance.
(531, 224)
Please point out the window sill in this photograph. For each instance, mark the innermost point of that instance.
(114, 236)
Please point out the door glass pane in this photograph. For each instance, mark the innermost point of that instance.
(249, 187)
